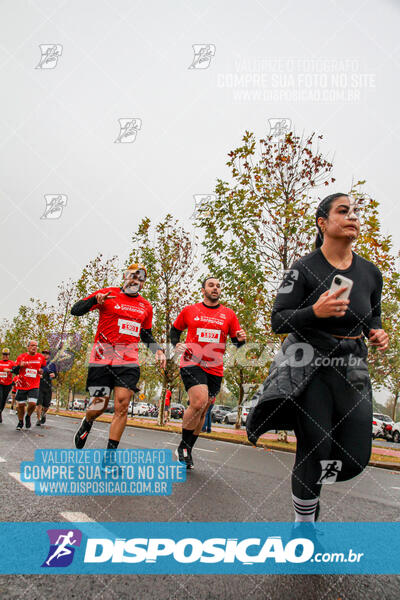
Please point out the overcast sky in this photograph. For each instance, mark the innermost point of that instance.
(326, 66)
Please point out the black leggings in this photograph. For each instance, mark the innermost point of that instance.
(333, 424)
(4, 391)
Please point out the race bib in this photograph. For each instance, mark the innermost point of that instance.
(31, 373)
(208, 335)
(129, 327)
(3, 375)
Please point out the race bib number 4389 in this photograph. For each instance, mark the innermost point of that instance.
(128, 327)
(208, 335)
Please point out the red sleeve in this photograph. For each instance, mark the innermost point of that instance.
(180, 322)
(234, 325)
(148, 321)
(18, 361)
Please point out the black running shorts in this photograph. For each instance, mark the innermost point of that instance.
(104, 378)
(27, 395)
(195, 375)
(44, 397)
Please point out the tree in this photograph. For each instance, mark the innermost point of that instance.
(168, 252)
(373, 245)
(259, 224)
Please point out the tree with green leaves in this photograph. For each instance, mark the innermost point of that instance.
(377, 247)
(168, 252)
(261, 221)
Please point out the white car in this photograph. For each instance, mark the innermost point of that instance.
(377, 427)
(231, 417)
(396, 432)
(379, 423)
(140, 409)
(78, 404)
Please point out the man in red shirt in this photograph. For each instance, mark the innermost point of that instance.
(6, 376)
(125, 318)
(28, 366)
(209, 324)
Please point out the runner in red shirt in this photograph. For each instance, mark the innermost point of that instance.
(13, 394)
(28, 366)
(6, 376)
(209, 324)
(125, 319)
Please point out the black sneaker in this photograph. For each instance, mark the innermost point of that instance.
(20, 425)
(43, 420)
(27, 422)
(184, 456)
(38, 424)
(82, 433)
(1, 418)
(189, 460)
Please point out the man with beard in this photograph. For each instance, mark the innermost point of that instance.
(201, 367)
(125, 318)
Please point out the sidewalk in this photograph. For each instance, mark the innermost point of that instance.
(268, 441)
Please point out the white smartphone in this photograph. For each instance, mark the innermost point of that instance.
(338, 282)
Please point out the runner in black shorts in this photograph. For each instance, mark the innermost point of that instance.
(208, 324)
(45, 389)
(6, 376)
(29, 367)
(125, 319)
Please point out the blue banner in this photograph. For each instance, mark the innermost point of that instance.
(195, 548)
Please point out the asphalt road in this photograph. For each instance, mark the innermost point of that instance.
(230, 483)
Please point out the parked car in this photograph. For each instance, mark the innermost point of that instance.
(177, 411)
(231, 417)
(153, 411)
(245, 412)
(382, 426)
(396, 432)
(78, 404)
(140, 408)
(218, 412)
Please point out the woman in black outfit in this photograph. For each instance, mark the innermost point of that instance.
(327, 393)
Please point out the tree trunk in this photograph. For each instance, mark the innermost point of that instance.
(241, 394)
(395, 400)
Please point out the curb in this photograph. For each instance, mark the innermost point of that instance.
(214, 436)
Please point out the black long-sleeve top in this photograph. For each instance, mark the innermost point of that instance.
(311, 276)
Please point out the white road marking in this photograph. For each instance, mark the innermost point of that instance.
(2, 459)
(76, 517)
(197, 448)
(395, 488)
(28, 484)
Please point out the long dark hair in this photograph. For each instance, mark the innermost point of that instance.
(323, 211)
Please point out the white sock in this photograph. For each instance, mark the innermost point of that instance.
(304, 509)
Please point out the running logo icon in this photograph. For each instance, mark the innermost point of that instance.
(289, 279)
(203, 54)
(62, 547)
(330, 469)
(55, 204)
(50, 53)
(128, 129)
(202, 201)
(279, 128)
